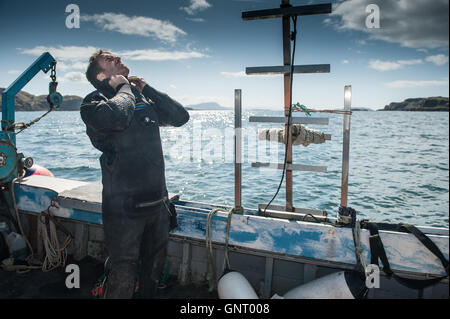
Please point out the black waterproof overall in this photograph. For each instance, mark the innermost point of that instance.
(124, 126)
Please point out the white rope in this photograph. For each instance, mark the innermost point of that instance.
(211, 265)
(211, 275)
(55, 254)
(227, 236)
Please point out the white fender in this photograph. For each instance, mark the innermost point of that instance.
(340, 285)
(233, 285)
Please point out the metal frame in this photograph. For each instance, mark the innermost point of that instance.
(346, 145)
(285, 11)
(312, 68)
(237, 148)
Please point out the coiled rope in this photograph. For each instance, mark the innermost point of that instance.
(211, 274)
(55, 253)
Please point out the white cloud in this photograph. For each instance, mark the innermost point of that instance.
(61, 66)
(77, 55)
(136, 25)
(240, 74)
(14, 72)
(380, 65)
(63, 53)
(411, 23)
(72, 58)
(196, 6)
(74, 77)
(439, 59)
(158, 55)
(80, 65)
(410, 62)
(402, 84)
(345, 62)
(196, 19)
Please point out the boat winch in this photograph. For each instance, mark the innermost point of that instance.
(12, 163)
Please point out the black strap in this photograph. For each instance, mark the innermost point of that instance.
(427, 242)
(377, 251)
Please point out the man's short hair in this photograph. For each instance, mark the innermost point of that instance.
(94, 68)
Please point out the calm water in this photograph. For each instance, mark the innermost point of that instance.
(399, 162)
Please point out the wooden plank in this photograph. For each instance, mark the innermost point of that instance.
(287, 12)
(291, 167)
(287, 101)
(80, 241)
(297, 210)
(268, 275)
(295, 120)
(183, 275)
(32, 233)
(298, 69)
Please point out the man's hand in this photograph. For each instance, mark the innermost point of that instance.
(116, 80)
(138, 82)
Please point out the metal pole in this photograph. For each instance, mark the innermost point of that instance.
(287, 102)
(237, 147)
(346, 145)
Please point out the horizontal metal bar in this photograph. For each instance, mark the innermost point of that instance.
(292, 167)
(311, 68)
(288, 11)
(295, 120)
(297, 210)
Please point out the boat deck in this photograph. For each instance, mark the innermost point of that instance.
(37, 284)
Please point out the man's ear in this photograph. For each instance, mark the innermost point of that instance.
(101, 76)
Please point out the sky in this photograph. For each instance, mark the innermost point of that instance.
(197, 50)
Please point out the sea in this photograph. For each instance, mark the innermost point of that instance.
(399, 161)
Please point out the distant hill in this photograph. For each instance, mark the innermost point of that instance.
(206, 106)
(25, 101)
(361, 109)
(430, 104)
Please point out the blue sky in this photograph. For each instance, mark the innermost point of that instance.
(197, 50)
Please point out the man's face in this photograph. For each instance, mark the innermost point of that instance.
(112, 65)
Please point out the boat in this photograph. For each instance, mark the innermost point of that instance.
(277, 251)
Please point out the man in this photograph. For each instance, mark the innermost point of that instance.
(122, 120)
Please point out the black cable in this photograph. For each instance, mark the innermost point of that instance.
(293, 38)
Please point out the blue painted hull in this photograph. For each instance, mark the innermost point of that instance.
(313, 241)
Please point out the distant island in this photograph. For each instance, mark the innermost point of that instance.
(210, 106)
(430, 104)
(25, 101)
(361, 109)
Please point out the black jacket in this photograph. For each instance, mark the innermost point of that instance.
(124, 126)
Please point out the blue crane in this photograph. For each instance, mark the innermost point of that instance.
(10, 160)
